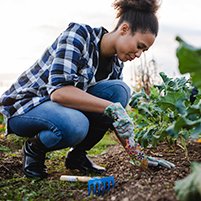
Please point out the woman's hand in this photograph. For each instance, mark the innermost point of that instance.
(140, 159)
(154, 162)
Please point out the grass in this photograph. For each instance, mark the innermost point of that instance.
(107, 141)
(21, 188)
(28, 189)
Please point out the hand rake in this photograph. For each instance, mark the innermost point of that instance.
(96, 185)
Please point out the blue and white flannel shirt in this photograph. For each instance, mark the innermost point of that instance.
(71, 60)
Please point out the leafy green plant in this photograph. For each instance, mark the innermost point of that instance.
(148, 118)
(189, 59)
(167, 114)
(189, 188)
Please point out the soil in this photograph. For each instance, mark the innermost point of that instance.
(155, 184)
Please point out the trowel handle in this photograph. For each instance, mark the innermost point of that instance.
(74, 178)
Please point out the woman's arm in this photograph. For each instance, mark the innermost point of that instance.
(73, 97)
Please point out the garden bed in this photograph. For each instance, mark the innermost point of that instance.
(156, 184)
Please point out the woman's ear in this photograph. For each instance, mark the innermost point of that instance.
(124, 28)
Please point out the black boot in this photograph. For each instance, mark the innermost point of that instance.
(34, 158)
(78, 160)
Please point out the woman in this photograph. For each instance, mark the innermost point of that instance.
(74, 92)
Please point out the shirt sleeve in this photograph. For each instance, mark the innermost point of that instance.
(64, 68)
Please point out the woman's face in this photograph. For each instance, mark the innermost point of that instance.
(129, 46)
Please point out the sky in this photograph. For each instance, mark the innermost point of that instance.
(29, 26)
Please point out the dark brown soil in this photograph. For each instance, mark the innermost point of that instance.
(156, 184)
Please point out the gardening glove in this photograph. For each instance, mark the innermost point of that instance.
(124, 129)
(140, 159)
(135, 152)
(122, 122)
(154, 162)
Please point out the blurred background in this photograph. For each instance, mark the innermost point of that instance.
(28, 27)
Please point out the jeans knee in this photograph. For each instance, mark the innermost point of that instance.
(65, 135)
(76, 133)
(122, 93)
(80, 132)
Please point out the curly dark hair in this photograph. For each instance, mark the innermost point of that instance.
(140, 14)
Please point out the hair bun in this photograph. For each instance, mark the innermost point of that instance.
(150, 6)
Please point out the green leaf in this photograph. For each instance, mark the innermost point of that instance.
(164, 77)
(189, 59)
(136, 97)
(4, 149)
(196, 133)
(173, 131)
(189, 188)
(193, 112)
(170, 99)
(144, 109)
(181, 107)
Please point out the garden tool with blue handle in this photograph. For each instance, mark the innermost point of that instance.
(96, 185)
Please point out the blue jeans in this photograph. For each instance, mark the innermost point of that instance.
(60, 127)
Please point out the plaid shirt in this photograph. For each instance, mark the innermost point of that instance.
(71, 60)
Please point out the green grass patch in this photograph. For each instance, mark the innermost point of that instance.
(27, 189)
(4, 149)
(20, 188)
(107, 141)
